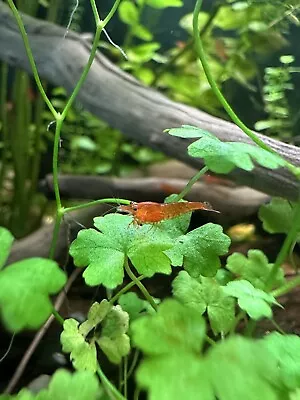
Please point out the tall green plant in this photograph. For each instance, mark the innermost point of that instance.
(188, 343)
(22, 132)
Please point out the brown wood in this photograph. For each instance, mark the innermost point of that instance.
(139, 112)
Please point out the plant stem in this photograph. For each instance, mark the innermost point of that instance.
(282, 255)
(188, 45)
(30, 57)
(58, 218)
(93, 203)
(190, 183)
(286, 288)
(139, 284)
(56, 147)
(133, 364)
(210, 340)
(125, 377)
(219, 95)
(4, 127)
(238, 318)
(58, 317)
(125, 289)
(250, 328)
(115, 394)
(99, 27)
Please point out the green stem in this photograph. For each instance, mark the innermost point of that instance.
(3, 119)
(56, 147)
(136, 394)
(210, 340)
(190, 183)
(238, 318)
(61, 117)
(59, 216)
(93, 203)
(188, 45)
(30, 57)
(250, 328)
(125, 376)
(99, 27)
(286, 288)
(124, 290)
(58, 317)
(133, 364)
(139, 284)
(291, 257)
(116, 395)
(219, 95)
(282, 255)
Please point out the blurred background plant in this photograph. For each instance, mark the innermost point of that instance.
(243, 39)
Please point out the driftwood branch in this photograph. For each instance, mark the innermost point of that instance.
(234, 203)
(139, 112)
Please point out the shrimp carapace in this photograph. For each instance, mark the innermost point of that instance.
(148, 212)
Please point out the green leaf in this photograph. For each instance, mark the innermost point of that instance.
(229, 18)
(164, 3)
(142, 32)
(242, 369)
(25, 289)
(96, 315)
(255, 302)
(223, 157)
(82, 354)
(128, 12)
(83, 143)
(113, 340)
(206, 295)
(6, 241)
(175, 377)
(132, 304)
(81, 385)
(199, 250)
(286, 350)
(174, 328)
(254, 269)
(142, 53)
(277, 216)
(104, 252)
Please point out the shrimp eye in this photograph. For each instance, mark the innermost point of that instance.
(134, 206)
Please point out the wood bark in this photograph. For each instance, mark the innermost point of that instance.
(141, 113)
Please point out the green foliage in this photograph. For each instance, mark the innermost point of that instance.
(177, 358)
(253, 364)
(206, 295)
(199, 250)
(105, 252)
(278, 80)
(242, 369)
(81, 385)
(25, 289)
(285, 348)
(254, 301)
(174, 328)
(186, 382)
(111, 338)
(133, 305)
(255, 269)
(223, 157)
(6, 240)
(277, 216)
